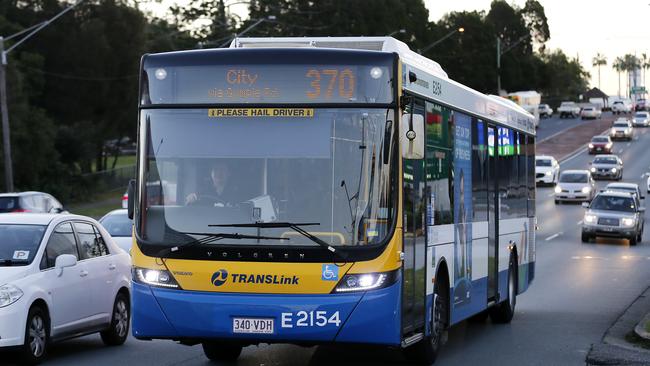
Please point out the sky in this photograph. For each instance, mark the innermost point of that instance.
(580, 28)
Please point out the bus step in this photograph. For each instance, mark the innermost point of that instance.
(415, 338)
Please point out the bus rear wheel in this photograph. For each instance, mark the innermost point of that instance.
(221, 351)
(426, 350)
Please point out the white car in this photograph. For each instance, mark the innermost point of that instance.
(622, 106)
(641, 119)
(120, 226)
(545, 110)
(61, 276)
(547, 169)
(621, 129)
(648, 182)
(575, 185)
(590, 112)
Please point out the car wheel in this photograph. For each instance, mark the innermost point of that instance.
(557, 202)
(633, 240)
(426, 350)
(503, 312)
(585, 238)
(221, 351)
(639, 236)
(118, 331)
(37, 336)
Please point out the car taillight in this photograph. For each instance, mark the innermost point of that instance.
(20, 210)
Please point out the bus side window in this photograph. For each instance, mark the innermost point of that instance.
(439, 124)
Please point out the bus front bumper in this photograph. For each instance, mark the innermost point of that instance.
(366, 317)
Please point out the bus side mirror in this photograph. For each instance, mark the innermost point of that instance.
(412, 139)
(131, 198)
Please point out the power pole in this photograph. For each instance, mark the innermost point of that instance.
(6, 135)
(498, 65)
(6, 141)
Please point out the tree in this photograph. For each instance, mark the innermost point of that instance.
(598, 61)
(645, 64)
(618, 66)
(630, 63)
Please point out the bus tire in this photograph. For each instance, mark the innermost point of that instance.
(503, 312)
(221, 351)
(426, 350)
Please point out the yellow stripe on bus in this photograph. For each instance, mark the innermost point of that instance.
(261, 112)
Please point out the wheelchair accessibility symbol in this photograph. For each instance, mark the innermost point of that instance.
(330, 272)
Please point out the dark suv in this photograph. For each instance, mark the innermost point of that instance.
(36, 202)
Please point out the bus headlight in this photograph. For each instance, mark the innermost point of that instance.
(628, 222)
(365, 281)
(9, 294)
(154, 277)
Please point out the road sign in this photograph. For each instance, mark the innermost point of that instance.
(637, 90)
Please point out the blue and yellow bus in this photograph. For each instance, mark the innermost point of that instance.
(325, 190)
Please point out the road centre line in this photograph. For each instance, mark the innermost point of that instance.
(620, 150)
(579, 222)
(550, 195)
(554, 236)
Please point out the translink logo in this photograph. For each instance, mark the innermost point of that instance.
(221, 276)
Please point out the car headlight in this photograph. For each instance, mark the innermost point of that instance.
(558, 189)
(628, 221)
(365, 281)
(613, 170)
(612, 131)
(154, 277)
(609, 145)
(548, 173)
(593, 170)
(9, 294)
(586, 189)
(591, 146)
(590, 219)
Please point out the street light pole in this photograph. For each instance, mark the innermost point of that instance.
(396, 31)
(6, 135)
(501, 53)
(6, 141)
(459, 30)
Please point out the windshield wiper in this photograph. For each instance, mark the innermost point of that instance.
(296, 226)
(212, 237)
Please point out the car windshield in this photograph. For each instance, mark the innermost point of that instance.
(573, 178)
(319, 166)
(19, 243)
(620, 124)
(543, 162)
(599, 139)
(640, 115)
(8, 204)
(622, 189)
(613, 203)
(605, 160)
(587, 109)
(118, 225)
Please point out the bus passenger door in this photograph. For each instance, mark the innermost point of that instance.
(493, 214)
(413, 292)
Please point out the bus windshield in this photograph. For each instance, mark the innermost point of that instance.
(324, 167)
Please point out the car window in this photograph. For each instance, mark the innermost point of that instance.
(599, 139)
(62, 241)
(612, 203)
(90, 246)
(19, 243)
(574, 178)
(101, 242)
(608, 160)
(8, 204)
(620, 124)
(118, 225)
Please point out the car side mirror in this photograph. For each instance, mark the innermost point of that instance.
(585, 204)
(131, 200)
(64, 261)
(412, 136)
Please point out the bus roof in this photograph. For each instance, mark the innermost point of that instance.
(431, 80)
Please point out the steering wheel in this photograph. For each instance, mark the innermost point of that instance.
(202, 199)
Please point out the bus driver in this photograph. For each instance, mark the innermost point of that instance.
(218, 192)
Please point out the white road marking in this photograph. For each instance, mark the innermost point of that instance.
(554, 236)
(629, 143)
(551, 194)
(620, 151)
(579, 222)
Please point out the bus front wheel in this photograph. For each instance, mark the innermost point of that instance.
(221, 351)
(426, 350)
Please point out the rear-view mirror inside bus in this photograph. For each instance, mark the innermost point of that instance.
(412, 136)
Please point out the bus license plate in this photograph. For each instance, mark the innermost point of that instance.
(252, 325)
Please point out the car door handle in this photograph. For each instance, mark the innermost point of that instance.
(112, 266)
(83, 273)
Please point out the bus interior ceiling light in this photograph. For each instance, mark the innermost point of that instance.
(161, 74)
(376, 72)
